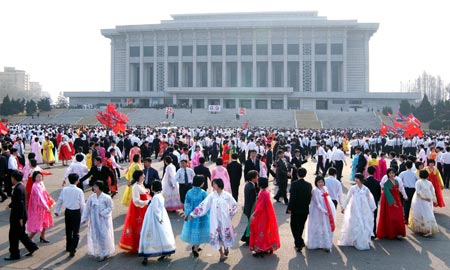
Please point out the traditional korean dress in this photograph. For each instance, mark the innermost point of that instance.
(36, 149)
(195, 231)
(39, 216)
(390, 222)
(221, 209)
(354, 165)
(133, 221)
(382, 168)
(126, 197)
(374, 162)
(156, 234)
(171, 194)
(226, 155)
(264, 234)
(64, 151)
(436, 179)
(421, 216)
(47, 149)
(100, 235)
(222, 173)
(357, 225)
(321, 220)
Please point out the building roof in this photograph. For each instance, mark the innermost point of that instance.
(307, 19)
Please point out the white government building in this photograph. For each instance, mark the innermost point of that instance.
(268, 60)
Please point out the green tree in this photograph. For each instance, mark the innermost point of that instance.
(425, 111)
(436, 124)
(5, 108)
(44, 104)
(405, 107)
(30, 107)
(386, 110)
(61, 102)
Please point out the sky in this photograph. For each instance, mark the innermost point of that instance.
(60, 45)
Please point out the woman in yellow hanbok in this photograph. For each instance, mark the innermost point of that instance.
(134, 166)
(47, 152)
(345, 145)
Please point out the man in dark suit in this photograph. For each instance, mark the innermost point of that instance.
(3, 174)
(145, 151)
(269, 160)
(99, 172)
(127, 146)
(202, 170)
(362, 162)
(282, 172)
(18, 220)
(298, 207)
(296, 163)
(374, 186)
(234, 170)
(251, 164)
(150, 174)
(250, 193)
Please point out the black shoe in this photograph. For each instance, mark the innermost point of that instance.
(161, 258)
(42, 240)
(195, 253)
(72, 254)
(286, 201)
(30, 253)
(145, 261)
(11, 258)
(4, 198)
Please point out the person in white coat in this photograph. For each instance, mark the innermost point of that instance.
(358, 208)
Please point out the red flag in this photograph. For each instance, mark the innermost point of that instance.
(113, 119)
(3, 130)
(383, 129)
(413, 120)
(398, 125)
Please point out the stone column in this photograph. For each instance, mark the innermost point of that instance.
(366, 62)
(174, 99)
(237, 103)
(127, 64)
(239, 62)
(269, 59)
(300, 62)
(313, 64)
(112, 65)
(194, 61)
(221, 103)
(209, 59)
(285, 58)
(155, 63)
(269, 103)
(141, 64)
(328, 62)
(206, 103)
(344, 62)
(253, 103)
(180, 62)
(190, 101)
(254, 60)
(285, 102)
(166, 68)
(224, 63)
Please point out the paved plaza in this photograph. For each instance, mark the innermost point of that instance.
(414, 252)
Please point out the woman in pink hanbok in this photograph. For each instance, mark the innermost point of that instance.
(196, 156)
(221, 172)
(39, 208)
(36, 148)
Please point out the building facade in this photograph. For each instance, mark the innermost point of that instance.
(272, 60)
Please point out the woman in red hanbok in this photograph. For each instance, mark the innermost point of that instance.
(434, 176)
(135, 216)
(112, 183)
(391, 224)
(225, 153)
(39, 208)
(64, 151)
(264, 237)
(382, 166)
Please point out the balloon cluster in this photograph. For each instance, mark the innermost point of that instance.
(113, 119)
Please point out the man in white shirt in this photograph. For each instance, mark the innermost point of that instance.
(334, 187)
(445, 160)
(73, 199)
(338, 159)
(321, 154)
(409, 179)
(185, 178)
(77, 168)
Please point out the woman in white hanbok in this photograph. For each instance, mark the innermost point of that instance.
(98, 214)
(221, 207)
(36, 148)
(322, 215)
(170, 187)
(357, 225)
(157, 237)
(421, 217)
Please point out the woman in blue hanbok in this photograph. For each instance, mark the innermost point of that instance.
(354, 165)
(195, 231)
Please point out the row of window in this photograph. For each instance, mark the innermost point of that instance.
(246, 49)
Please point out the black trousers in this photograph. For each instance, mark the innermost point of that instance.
(375, 214)
(2, 195)
(446, 174)
(244, 237)
(339, 166)
(183, 188)
(297, 226)
(335, 203)
(282, 188)
(8, 183)
(16, 234)
(407, 204)
(72, 218)
(320, 165)
(235, 191)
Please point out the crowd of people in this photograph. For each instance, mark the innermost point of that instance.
(397, 181)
